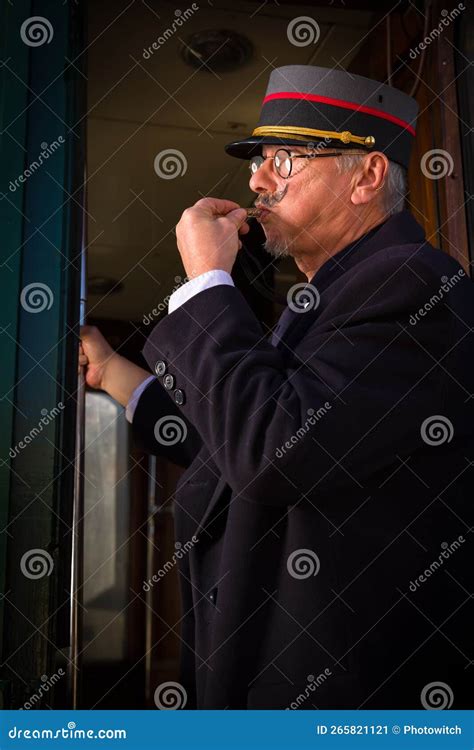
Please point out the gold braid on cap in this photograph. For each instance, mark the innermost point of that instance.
(310, 133)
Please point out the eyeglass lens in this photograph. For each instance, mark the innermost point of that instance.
(281, 160)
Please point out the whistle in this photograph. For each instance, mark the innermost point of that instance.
(253, 212)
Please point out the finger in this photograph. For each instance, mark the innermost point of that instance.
(219, 206)
(88, 331)
(244, 228)
(238, 217)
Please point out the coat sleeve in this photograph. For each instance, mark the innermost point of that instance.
(161, 429)
(345, 401)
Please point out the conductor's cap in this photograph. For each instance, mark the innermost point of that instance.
(307, 104)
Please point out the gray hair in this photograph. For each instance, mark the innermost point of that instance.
(395, 186)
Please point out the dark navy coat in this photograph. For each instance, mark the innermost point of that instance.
(328, 483)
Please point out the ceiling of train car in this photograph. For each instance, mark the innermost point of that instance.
(143, 101)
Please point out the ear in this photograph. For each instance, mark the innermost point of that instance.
(369, 178)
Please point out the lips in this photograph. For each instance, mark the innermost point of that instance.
(263, 211)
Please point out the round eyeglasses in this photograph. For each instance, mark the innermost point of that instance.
(283, 161)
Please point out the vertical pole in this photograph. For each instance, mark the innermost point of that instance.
(39, 345)
(150, 536)
(77, 558)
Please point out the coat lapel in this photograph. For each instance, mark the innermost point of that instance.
(399, 229)
(217, 498)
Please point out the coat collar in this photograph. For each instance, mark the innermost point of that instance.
(399, 229)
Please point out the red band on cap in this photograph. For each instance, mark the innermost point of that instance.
(343, 104)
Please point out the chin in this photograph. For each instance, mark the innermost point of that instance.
(277, 248)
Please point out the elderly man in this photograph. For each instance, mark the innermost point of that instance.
(328, 470)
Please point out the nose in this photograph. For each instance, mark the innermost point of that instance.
(264, 180)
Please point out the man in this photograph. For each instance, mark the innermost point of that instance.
(327, 469)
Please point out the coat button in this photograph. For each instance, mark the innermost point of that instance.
(213, 596)
(168, 381)
(160, 367)
(179, 396)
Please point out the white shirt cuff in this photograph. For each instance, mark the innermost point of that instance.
(204, 281)
(133, 401)
(186, 291)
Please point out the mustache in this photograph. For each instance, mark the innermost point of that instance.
(271, 199)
